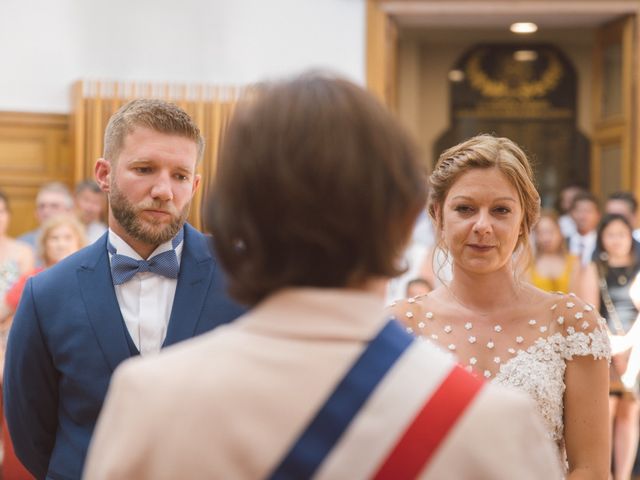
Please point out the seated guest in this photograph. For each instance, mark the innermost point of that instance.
(16, 258)
(90, 205)
(314, 200)
(586, 213)
(418, 286)
(565, 200)
(60, 236)
(552, 268)
(625, 203)
(53, 199)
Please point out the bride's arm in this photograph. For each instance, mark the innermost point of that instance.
(586, 399)
(586, 418)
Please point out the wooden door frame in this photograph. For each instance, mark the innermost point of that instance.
(381, 52)
(617, 129)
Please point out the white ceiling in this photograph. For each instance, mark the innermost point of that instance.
(501, 14)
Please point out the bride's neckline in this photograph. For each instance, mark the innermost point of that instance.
(516, 297)
(495, 339)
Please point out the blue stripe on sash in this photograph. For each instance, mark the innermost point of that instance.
(315, 443)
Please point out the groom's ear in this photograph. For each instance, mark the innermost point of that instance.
(196, 183)
(102, 173)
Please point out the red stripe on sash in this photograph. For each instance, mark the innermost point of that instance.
(430, 427)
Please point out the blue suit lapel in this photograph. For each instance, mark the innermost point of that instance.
(99, 296)
(194, 280)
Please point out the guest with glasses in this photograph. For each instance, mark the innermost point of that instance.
(53, 199)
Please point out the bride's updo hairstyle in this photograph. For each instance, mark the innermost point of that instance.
(488, 152)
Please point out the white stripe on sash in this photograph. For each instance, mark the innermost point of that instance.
(387, 413)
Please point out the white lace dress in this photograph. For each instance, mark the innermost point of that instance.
(533, 361)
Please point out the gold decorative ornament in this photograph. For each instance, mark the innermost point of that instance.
(522, 84)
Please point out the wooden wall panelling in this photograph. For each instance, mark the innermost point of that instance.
(614, 126)
(95, 102)
(382, 47)
(34, 149)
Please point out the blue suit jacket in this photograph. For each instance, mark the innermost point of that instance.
(67, 338)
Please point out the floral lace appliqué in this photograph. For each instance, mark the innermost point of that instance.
(539, 371)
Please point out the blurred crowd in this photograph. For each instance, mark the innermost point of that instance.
(564, 241)
(66, 222)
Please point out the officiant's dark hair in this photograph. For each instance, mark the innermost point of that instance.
(317, 186)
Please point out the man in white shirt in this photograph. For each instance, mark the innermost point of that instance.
(90, 203)
(566, 222)
(586, 213)
(419, 247)
(150, 282)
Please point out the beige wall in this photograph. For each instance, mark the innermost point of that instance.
(425, 57)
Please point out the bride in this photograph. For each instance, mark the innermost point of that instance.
(552, 346)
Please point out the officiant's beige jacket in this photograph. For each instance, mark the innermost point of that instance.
(230, 403)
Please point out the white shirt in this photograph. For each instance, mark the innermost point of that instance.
(95, 231)
(567, 225)
(146, 300)
(422, 240)
(583, 246)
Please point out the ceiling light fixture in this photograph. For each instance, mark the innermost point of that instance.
(456, 75)
(523, 27)
(525, 55)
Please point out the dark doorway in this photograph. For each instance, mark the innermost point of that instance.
(527, 93)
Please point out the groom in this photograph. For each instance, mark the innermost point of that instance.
(150, 282)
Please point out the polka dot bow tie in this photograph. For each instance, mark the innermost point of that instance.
(124, 268)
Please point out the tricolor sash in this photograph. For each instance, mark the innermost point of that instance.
(371, 388)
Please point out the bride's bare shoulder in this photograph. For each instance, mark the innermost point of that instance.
(569, 311)
(409, 309)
